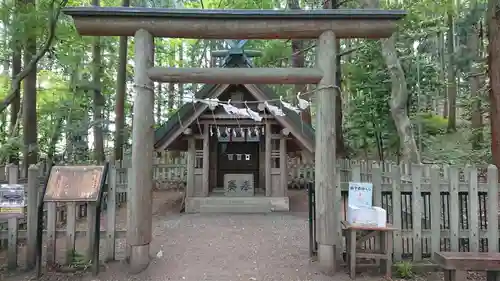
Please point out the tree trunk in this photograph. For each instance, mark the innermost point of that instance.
(397, 103)
(494, 73)
(298, 60)
(181, 86)
(452, 76)
(98, 103)
(121, 93)
(16, 68)
(399, 96)
(474, 81)
(30, 149)
(442, 72)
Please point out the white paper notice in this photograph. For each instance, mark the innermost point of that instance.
(360, 194)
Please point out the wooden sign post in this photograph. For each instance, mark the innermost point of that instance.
(75, 184)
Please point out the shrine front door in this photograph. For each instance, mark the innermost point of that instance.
(237, 158)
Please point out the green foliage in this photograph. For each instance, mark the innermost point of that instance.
(432, 124)
(65, 86)
(404, 269)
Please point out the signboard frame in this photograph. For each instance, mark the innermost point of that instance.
(95, 203)
(22, 208)
(96, 194)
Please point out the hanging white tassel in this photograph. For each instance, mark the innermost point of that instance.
(254, 115)
(276, 111)
(262, 129)
(211, 130)
(289, 105)
(212, 103)
(234, 132)
(249, 133)
(230, 109)
(303, 104)
(227, 132)
(256, 130)
(218, 132)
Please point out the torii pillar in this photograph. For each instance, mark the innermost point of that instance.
(324, 25)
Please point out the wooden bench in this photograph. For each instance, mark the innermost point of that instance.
(383, 254)
(456, 264)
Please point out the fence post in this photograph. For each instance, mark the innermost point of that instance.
(454, 204)
(3, 172)
(32, 216)
(12, 225)
(492, 208)
(416, 180)
(111, 215)
(376, 174)
(12, 174)
(473, 210)
(435, 202)
(396, 212)
(356, 172)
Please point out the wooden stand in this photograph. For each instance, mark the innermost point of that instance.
(384, 253)
(71, 184)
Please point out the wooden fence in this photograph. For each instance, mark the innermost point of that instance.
(61, 220)
(434, 208)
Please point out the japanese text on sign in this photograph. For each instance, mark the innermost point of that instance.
(12, 200)
(74, 183)
(360, 194)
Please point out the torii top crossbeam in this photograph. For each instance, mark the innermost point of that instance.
(234, 24)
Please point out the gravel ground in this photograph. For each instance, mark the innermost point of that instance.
(224, 247)
(220, 247)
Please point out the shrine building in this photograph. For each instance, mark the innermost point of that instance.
(236, 163)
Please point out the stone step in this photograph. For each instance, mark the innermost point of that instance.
(229, 200)
(235, 208)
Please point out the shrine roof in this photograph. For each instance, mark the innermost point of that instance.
(168, 129)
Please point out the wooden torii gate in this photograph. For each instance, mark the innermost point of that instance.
(324, 25)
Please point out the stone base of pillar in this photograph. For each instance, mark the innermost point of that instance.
(139, 258)
(326, 259)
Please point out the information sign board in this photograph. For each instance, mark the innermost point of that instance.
(12, 201)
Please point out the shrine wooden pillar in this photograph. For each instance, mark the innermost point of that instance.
(283, 164)
(191, 162)
(267, 157)
(206, 160)
(327, 193)
(141, 179)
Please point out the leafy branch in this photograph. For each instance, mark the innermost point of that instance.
(16, 81)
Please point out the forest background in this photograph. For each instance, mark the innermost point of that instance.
(423, 95)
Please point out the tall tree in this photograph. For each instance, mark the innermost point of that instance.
(30, 128)
(298, 60)
(451, 71)
(473, 47)
(493, 21)
(121, 82)
(399, 95)
(99, 101)
(16, 47)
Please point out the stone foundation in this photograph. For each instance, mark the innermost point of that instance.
(232, 204)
